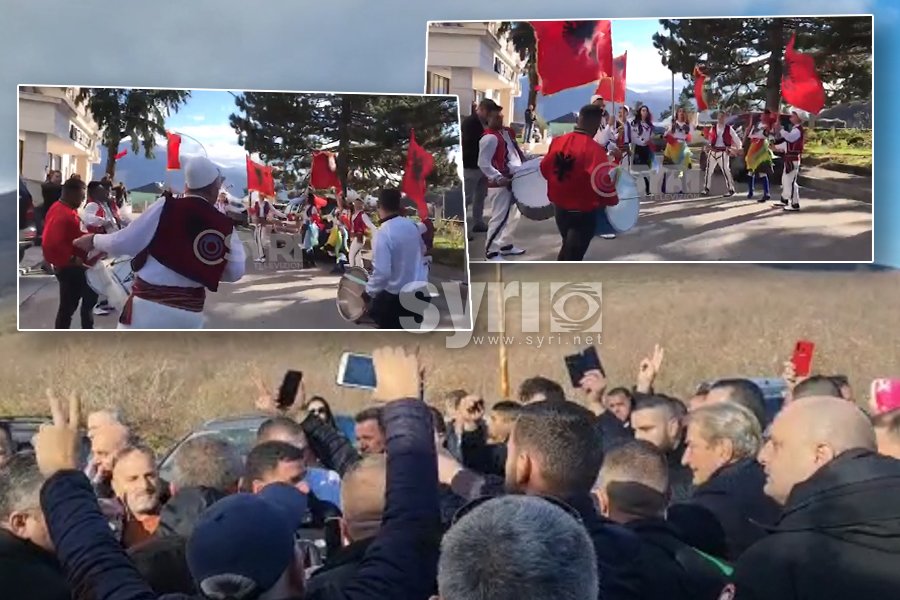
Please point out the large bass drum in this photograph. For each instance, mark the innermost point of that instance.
(622, 217)
(113, 279)
(350, 303)
(529, 188)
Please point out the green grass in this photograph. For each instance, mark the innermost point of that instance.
(850, 147)
(450, 244)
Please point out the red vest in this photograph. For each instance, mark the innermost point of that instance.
(795, 149)
(359, 225)
(101, 212)
(191, 239)
(620, 138)
(726, 136)
(500, 160)
(261, 209)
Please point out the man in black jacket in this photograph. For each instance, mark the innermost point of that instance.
(633, 491)
(657, 419)
(725, 513)
(553, 451)
(838, 535)
(29, 569)
(472, 128)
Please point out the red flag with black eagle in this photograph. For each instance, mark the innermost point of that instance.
(702, 90)
(260, 178)
(800, 84)
(572, 53)
(121, 154)
(419, 164)
(613, 88)
(173, 148)
(324, 173)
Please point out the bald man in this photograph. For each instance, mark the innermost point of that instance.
(363, 500)
(838, 535)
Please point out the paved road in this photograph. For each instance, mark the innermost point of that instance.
(717, 228)
(264, 299)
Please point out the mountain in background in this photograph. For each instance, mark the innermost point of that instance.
(857, 115)
(137, 172)
(571, 101)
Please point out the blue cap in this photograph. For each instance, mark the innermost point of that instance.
(244, 543)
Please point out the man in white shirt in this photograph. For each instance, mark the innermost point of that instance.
(263, 214)
(397, 257)
(499, 157)
(723, 144)
(790, 144)
(100, 215)
(182, 246)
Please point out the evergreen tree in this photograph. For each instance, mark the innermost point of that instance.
(524, 40)
(745, 56)
(135, 113)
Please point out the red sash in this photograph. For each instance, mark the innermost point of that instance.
(185, 298)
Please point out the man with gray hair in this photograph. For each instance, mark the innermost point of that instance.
(28, 567)
(723, 516)
(207, 461)
(182, 247)
(838, 535)
(520, 547)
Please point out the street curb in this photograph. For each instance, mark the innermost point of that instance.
(846, 190)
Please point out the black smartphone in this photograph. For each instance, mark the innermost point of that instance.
(579, 364)
(332, 534)
(290, 387)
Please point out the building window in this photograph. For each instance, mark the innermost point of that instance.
(437, 84)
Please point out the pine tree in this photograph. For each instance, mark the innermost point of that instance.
(369, 133)
(745, 56)
(135, 113)
(524, 40)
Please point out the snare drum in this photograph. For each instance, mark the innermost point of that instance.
(352, 286)
(529, 188)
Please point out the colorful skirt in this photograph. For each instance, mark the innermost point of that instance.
(677, 153)
(759, 157)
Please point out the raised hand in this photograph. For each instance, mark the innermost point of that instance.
(649, 369)
(265, 399)
(56, 445)
(397, 373)
(594, 385)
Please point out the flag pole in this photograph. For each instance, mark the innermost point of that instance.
(504, 359)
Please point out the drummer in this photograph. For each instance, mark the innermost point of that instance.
(174, 265)
(101, 215)
(499, 157)
(569, 167)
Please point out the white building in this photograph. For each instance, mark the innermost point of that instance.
(472, 61)
(55, 133)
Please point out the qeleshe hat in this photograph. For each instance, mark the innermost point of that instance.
(200, 172)
(244, 543)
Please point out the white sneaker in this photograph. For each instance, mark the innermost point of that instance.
(102, 311)
(608, 236)
(512, 251)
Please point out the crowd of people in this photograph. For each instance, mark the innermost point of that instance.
(626, 493)
(492, 158)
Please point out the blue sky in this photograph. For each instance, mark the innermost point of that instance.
(297, 45)
(645, 70)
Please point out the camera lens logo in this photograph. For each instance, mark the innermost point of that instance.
(604, 178)
(210, 247)
(576, 307)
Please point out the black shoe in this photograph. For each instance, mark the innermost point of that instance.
(792, 207)
(706, 192)
(480, 228)
(729, 194)
(471, 237)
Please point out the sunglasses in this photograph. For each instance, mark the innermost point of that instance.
(318, 411)
(470, 506)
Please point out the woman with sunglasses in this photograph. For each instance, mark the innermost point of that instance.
(319, 407)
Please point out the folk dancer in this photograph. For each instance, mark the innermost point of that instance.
(360, 225)
(723, 144)
(569, 168)
(499, 157)
(222, 203)
(312, 228)
(680, 132)
(616, 138)
(263, 214)
(61, 228)
(101, 215)
(396, 264)
(598, 100)
(182, 247)
(641, 134)
(759, 159)
(791, 144)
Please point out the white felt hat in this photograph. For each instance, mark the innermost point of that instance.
(200, 172)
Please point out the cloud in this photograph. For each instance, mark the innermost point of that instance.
(645, 70)
(219, 141)
(199, 118)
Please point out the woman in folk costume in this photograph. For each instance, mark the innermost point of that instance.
(616, 138)
(263, 214)
(677, 153)
(759, 157)
(312, 227)
(640, 135)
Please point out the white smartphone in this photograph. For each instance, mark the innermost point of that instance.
(356, 371)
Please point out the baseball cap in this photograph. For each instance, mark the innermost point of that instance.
(200, 172)
(244, 543)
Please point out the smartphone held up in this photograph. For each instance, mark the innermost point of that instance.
(579, 364)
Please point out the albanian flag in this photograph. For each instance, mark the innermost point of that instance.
(260, 178)
(173, 148)
(324, 172)
(613, 88)
(800, 84)
(121, 154)
(572, 53)
(319, 202)
(702, 90)
(419, 164)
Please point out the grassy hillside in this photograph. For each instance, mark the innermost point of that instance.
(713, 321)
